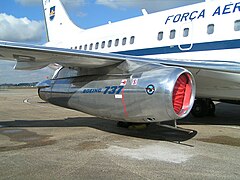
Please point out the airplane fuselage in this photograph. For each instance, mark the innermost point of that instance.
(205, 31)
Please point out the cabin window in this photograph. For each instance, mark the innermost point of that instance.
(172, 34)
(124, 41)
(237, 25)
(160, 35)
(80, 47)
(185, 32)
(116, 42)
(91, 46)
(76, 47)
(85, 47)
(132, 39)
(103, 44)
(109, 43)
(210, 29)
(97, 45)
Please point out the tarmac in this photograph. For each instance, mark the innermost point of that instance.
(42, 141)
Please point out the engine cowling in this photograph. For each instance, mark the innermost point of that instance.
(152, 96)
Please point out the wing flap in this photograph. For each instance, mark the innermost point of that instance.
(21, 65)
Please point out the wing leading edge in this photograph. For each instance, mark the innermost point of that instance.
(31, 57)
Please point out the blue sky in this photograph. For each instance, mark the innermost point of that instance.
(22, 21)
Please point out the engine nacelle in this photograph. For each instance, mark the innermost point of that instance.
(158, 95)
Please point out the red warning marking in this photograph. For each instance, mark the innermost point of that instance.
(124, 105)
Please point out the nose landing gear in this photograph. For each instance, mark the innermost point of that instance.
(203, 107)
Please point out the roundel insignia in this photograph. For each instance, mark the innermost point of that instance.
(150, 89)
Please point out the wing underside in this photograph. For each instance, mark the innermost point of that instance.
(29, 57)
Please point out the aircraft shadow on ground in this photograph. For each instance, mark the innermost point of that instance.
(153, 131)
(226, 114)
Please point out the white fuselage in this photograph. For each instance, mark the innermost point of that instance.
(208, 31)
(204, 31)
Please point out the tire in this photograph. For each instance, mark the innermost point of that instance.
(211, 108)
(199, 108)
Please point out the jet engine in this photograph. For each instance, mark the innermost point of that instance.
(157, 95)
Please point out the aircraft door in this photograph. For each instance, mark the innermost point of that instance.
(185, 37)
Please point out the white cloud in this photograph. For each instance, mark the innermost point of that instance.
(28, 2)
(73, 3)
(20, 29)
(68, 3)
(150, 5)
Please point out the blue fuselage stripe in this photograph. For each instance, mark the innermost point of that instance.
(206, 46)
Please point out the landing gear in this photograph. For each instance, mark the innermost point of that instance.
(211, 108)
(130, 125)
(123, 124)
(203, 107)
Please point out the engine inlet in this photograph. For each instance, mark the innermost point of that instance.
(182, 93)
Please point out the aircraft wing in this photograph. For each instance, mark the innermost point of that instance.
(30, 57)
